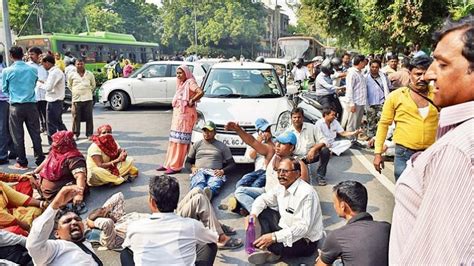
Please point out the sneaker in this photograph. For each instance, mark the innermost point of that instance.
(208, 192)
(322, 181)
(20, 167)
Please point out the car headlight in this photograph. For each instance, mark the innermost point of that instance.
(200, 122)
(284, 122)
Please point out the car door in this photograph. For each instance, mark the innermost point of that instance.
(151, 85)
(171, 81)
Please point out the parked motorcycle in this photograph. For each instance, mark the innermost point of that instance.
(307, 101)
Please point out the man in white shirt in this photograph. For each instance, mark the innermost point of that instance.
(300, 72)
(295, 229)
(69, 247)
(35, 53)
(330, 128)
(167, 238)
(356, 93)
(55, 87)
(310, 145)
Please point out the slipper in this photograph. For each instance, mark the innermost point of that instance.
(171, 171)
(161, 168)
(233, 243)
(229, 231)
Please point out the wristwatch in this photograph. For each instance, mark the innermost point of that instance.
(274, 238)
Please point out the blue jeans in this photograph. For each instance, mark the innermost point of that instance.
(247, 195)
(252, 179)
(402, 155)
(206, 178)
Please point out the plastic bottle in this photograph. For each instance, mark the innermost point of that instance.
(250, 237)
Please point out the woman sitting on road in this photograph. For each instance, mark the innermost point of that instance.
(107, 162)
(187, 94)
(17, 208)
(64, 166)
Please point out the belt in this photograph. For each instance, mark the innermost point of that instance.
(409, 148)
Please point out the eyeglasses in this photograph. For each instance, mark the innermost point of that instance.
(284, 171)
(106, 132)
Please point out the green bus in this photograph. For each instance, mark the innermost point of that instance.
(96, 48)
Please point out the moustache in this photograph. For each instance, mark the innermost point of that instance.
(422, 83)
(282, 179)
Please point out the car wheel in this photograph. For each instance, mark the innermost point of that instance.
(119, 101)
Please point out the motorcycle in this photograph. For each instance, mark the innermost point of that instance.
(307, 100)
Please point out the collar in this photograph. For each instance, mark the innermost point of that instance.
(52, 68)
(19, 62)
(456, 114)
(292, 189)
(362, 216)
(159, 215)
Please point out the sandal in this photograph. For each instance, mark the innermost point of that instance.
(233, 243)
(228, 231)
(171, 172)
(161, 168)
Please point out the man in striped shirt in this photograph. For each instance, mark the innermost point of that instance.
(433, 218)
(356, 93)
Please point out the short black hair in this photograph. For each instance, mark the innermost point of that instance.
(49, 59)
(164, 190)
(375, 61)
(35, 50)
(353, 193)
(467, 24)
(297, 110)
(406, 62)
(78, 60)
(328, 110)
(420, 62)
(358, 59)
(63, 211)
(295, 162)
(346, 54)
(16, 52)
(392, 56)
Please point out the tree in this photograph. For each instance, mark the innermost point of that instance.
(101, 18)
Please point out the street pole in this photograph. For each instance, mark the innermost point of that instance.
(195, 27)
(6, 30)
(40, 16)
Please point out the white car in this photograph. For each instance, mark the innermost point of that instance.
(154, 82)
(242, 92)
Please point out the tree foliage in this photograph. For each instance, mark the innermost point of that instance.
(376, 25)
(219, 24)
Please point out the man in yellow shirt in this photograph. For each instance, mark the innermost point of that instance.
(415, 117)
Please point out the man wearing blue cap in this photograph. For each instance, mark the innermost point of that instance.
(284, 147)
(256, 179)
(211, 160)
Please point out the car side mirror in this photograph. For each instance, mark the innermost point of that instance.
(140, 76)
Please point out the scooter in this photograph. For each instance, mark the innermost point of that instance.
(307, 101)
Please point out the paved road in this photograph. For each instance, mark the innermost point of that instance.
(143, 131)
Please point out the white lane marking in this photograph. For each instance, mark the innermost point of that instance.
(82, 141)
(369, 166)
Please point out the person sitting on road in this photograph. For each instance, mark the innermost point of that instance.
(295, 228)
(167, 238)
(310, 145)
(284, 146)
(64, 166)
(255, 179)
(107, 163)
(330, 128)
(17, 210)
(68, 229)
(362, 241)
(211, 159)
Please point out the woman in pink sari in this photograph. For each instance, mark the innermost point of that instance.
(187, 94)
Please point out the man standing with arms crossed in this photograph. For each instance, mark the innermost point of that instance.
(432, 218)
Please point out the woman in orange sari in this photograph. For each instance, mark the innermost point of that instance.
(187, 94)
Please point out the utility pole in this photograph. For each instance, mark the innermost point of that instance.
(6, 30)
(40, 16)
(195, 27)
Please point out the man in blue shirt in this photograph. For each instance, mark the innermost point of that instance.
(18, 82)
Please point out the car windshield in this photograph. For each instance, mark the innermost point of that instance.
(244, 83)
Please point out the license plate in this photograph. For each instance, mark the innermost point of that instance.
(231, 141)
